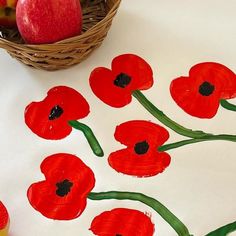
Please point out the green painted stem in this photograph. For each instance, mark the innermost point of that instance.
(165, 119)
(92, 140)
(224, 230)
(169, 217)
(197, 140)
(227, 105)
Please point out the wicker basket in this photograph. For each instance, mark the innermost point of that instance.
(97, 19)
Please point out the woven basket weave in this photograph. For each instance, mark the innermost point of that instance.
(97, 19)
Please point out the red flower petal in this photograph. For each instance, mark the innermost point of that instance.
(73, 105)
(43, 196)
(126, 162)
(121, 221)
(141, 157)
(200, 93)
(102, 80)
(4, 217)
(132, 132)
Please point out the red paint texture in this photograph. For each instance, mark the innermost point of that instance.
(186, 91)
(151, 162)
(102, 80)
(37, 114)
(122, 222)
(58, 168)
(4, 217)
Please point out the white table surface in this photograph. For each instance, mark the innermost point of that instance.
(199, 186)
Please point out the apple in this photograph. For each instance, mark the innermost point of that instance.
(48, 21)
(4, 220)
(8, 13)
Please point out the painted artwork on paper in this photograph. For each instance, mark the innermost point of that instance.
(68, 183)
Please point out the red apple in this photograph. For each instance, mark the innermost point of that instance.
(4, 220)
(48, 21)
(8, 13)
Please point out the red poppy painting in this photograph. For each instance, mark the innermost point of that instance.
(127, 128)
(128, 73)
(63, 193)
(200, 94)
(122, 222)
(141, 158)
(49, 118)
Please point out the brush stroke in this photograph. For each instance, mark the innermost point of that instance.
(224, 230)
(122, 221)
(227, 105)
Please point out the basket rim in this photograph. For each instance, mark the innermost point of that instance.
(67, 40)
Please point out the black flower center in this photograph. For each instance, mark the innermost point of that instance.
(122, 80)
(118, 235)
(63, 188)
(55, 113)
(206, 89)
(141, 148)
